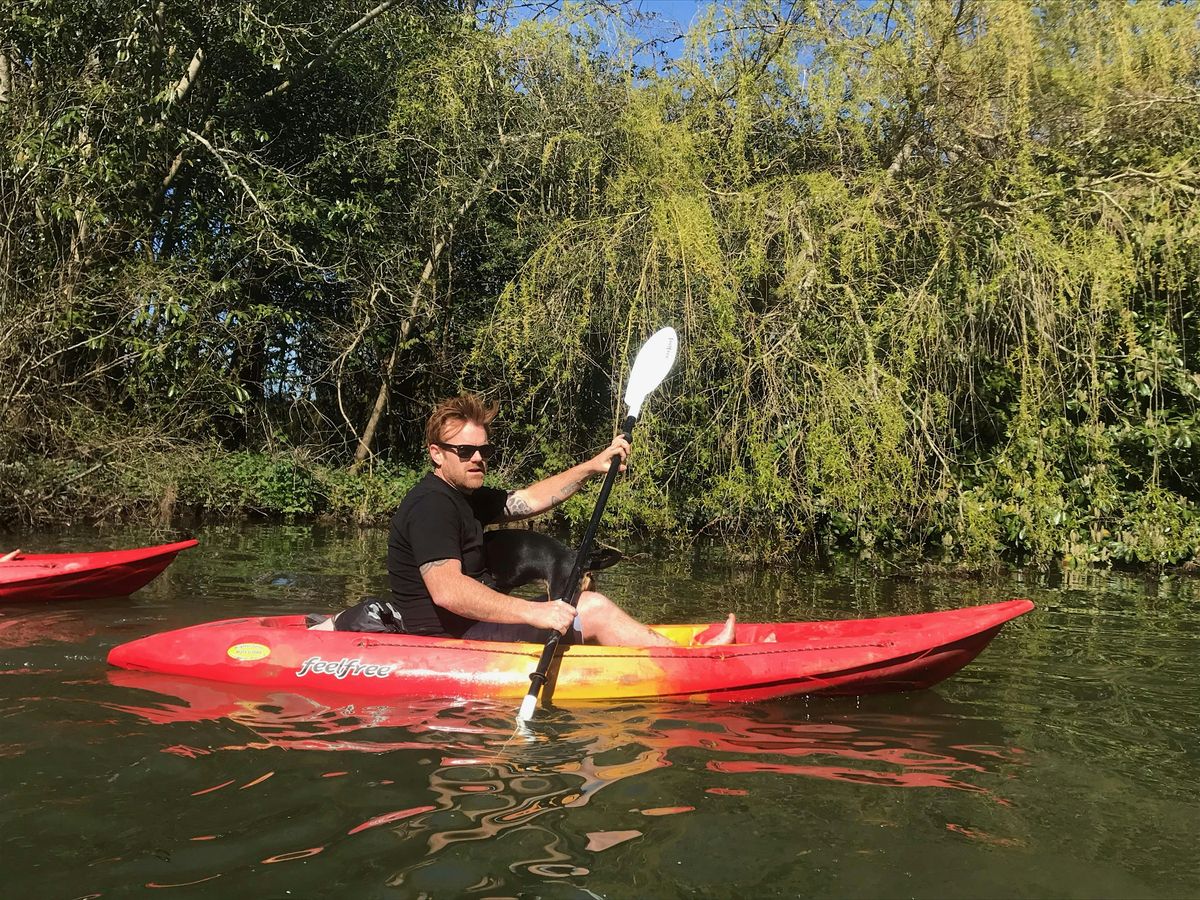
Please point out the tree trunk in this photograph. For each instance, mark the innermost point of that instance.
(5, 77)
(368, 436)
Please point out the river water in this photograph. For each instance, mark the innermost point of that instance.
(1063, 762)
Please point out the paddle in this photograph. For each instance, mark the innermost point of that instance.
(650, 367)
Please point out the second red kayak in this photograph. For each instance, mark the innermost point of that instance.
(84, 576)
(766, 661)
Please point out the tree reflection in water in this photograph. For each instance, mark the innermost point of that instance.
(485, 780)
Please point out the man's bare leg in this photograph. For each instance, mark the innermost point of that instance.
(11, 555)
(606, 623)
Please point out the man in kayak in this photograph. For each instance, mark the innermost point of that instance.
(436, 572)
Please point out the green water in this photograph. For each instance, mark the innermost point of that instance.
(1063, 762)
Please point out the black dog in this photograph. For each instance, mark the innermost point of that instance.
(516, 556)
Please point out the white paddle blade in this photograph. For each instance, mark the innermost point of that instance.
(652, 365)
(527, 707)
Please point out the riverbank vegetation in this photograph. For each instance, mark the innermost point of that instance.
(934, 263)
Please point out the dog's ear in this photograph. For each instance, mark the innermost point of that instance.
(603, 559)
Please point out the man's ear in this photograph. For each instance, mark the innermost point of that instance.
(436, 454)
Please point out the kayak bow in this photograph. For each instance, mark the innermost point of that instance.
(84, 576)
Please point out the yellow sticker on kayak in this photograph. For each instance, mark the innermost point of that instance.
(249, 652)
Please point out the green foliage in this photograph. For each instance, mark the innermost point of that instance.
(368, 497)
(934, 266)
(199, 481)
(934, 280)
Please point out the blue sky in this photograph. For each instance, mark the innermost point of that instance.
(675, 18)
(671, 20)
(680, 11)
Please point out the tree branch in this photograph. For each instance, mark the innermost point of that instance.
(5, 75)
(233, 176)
(317, 60)
(188, 80)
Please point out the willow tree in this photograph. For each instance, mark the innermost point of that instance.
(933, 264)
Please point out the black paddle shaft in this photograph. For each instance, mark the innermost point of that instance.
(538, 675)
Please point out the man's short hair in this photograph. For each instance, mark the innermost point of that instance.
(457, 412)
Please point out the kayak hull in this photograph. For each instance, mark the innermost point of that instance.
(857, 656)
(84, 576)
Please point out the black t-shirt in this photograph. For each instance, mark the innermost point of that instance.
(436, 521)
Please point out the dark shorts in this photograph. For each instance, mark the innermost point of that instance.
(520, 634)
(375, 616)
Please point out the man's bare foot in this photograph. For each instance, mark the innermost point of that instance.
(725, 635)
(11, 555)
(770, 638)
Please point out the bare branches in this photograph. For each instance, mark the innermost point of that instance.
(329, 51)
(233, 176)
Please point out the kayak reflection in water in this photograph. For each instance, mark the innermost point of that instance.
(437, 570)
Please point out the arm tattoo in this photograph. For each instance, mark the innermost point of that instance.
(516, 506)
(567, 491)
(432, 564)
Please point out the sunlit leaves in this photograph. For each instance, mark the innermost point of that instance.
(933, 263)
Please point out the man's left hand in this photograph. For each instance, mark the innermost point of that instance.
(600, 462)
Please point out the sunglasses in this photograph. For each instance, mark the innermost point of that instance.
(466, 452)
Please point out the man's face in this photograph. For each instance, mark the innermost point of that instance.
(465, 475)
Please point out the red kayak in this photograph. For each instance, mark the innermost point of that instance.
(84, 576)
(766, 660)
